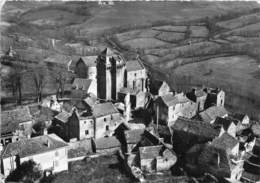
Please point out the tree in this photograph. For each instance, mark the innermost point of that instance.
(27, 172)
(39, 79)
(61, 76)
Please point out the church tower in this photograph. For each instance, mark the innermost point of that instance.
(110, 74)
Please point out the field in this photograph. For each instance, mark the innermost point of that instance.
(170, 37)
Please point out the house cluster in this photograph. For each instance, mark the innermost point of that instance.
(107, 103)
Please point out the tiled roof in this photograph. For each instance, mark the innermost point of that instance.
(133, 136)
(195, 127)
(90, 61)
(10, 119)
(211, 113)
(209, 158)
(222, 122)
(107, 142)
(78, 94)
(103, 109)
(82, 83)
(63, 116)
(225, 142)
(134, 65)
(149, 152)
(172, 100)
(36, 145)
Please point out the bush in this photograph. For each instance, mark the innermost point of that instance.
(27, 172)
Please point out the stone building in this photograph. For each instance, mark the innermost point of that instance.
(136, 76)
(215, 97)
(86, 67)
(186, 133)
(48, 150)
(169, 107)
(110, 74)
(199, 96)
(107, 119)
(159, 88)
(16, 124)
(138, 98)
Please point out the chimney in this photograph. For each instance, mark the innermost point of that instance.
(45, 131)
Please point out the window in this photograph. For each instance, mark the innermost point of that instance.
(135, 74)
(107, 128)
(105, 119)
(85, 122)
(86, 132)
(111, 117)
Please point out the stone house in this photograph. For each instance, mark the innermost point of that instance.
(16, 124)
(60, 125)
(207, 158)
(227, 142)
(106, 145)
(107, 119)
(186, 133)
(137, 98)
(88, 85)
(211, 113)
(136, 75)
(156, 158)
(82, 125)
(86, 67)
(225, 125)
(110, 74)
(199, 96)
(215, 97)
(48, 150)
(159, 88)
(169, 107)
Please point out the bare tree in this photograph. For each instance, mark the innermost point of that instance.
(61, 76)
(39, 80)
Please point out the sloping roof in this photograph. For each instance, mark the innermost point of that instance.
(239, 116)
(225, 142)
(58, 59)
(63, 116)
(10, 119)
(107, 52)
(172, 100)
(211, 113)
(200, 92)
(82, 83)
(91, 99)
(209, 157)
(103, 109)
(89, 61)
(195, 127)
(222, 122)
(129, 90)
(36, 145)
(134, 65)
(133, 136)
(150, 152)
(107, 142)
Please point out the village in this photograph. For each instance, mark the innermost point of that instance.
(114, 107)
